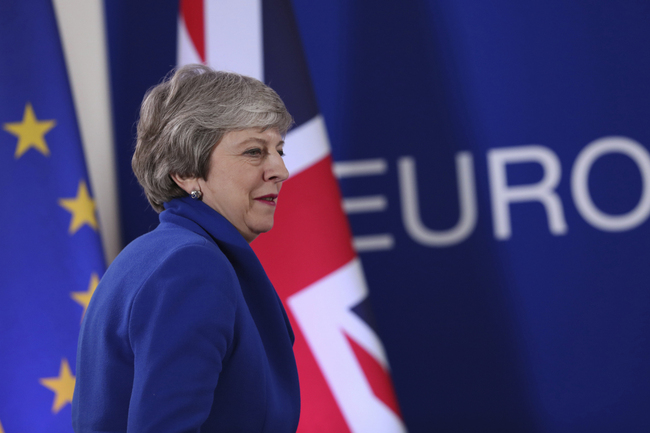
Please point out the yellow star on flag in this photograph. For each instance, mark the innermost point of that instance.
(30, 132)
(83, 298)
(82, 208)
(1, 429)
(62, 386)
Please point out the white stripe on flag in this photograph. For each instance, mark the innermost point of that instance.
(234, 36)
(186, 51)
(323, 311)
(306, 145)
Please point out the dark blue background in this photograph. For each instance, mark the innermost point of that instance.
(537, 333)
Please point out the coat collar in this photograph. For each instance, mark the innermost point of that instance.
(201, 218)
(256, 287)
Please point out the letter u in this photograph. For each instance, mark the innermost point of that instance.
(411, 210)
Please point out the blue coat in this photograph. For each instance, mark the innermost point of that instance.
(185, 333)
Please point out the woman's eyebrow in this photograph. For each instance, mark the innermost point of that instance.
(258, 140)
(252, 139)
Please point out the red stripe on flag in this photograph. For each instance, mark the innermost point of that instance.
(311, 237)
(319, 412)
(378, 378)
(192, 13)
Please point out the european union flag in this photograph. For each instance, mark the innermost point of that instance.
(51, 254)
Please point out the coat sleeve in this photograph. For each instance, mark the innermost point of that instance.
(180, 329)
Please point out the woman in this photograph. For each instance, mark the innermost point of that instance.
(185, 333)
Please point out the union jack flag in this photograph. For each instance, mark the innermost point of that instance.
(344, 373)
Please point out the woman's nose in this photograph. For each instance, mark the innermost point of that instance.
(277, 170)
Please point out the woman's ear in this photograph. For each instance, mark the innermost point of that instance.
(187, 184)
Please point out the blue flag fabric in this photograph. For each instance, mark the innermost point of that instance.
(51, 249)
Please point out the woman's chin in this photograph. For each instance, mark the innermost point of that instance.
(255, 230)
(265, 228)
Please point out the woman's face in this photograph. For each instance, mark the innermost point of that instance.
(244, 180)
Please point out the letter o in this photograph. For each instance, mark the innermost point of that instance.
(580, 184)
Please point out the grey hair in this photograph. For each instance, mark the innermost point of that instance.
(183, 118)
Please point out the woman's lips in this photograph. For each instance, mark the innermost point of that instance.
(268, 199)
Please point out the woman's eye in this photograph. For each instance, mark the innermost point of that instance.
(281, 152)
(253, 152)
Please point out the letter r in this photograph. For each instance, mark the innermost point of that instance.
(543, 191)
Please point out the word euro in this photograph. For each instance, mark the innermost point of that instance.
(502, 195)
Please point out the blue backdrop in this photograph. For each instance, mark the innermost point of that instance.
(535, 316)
